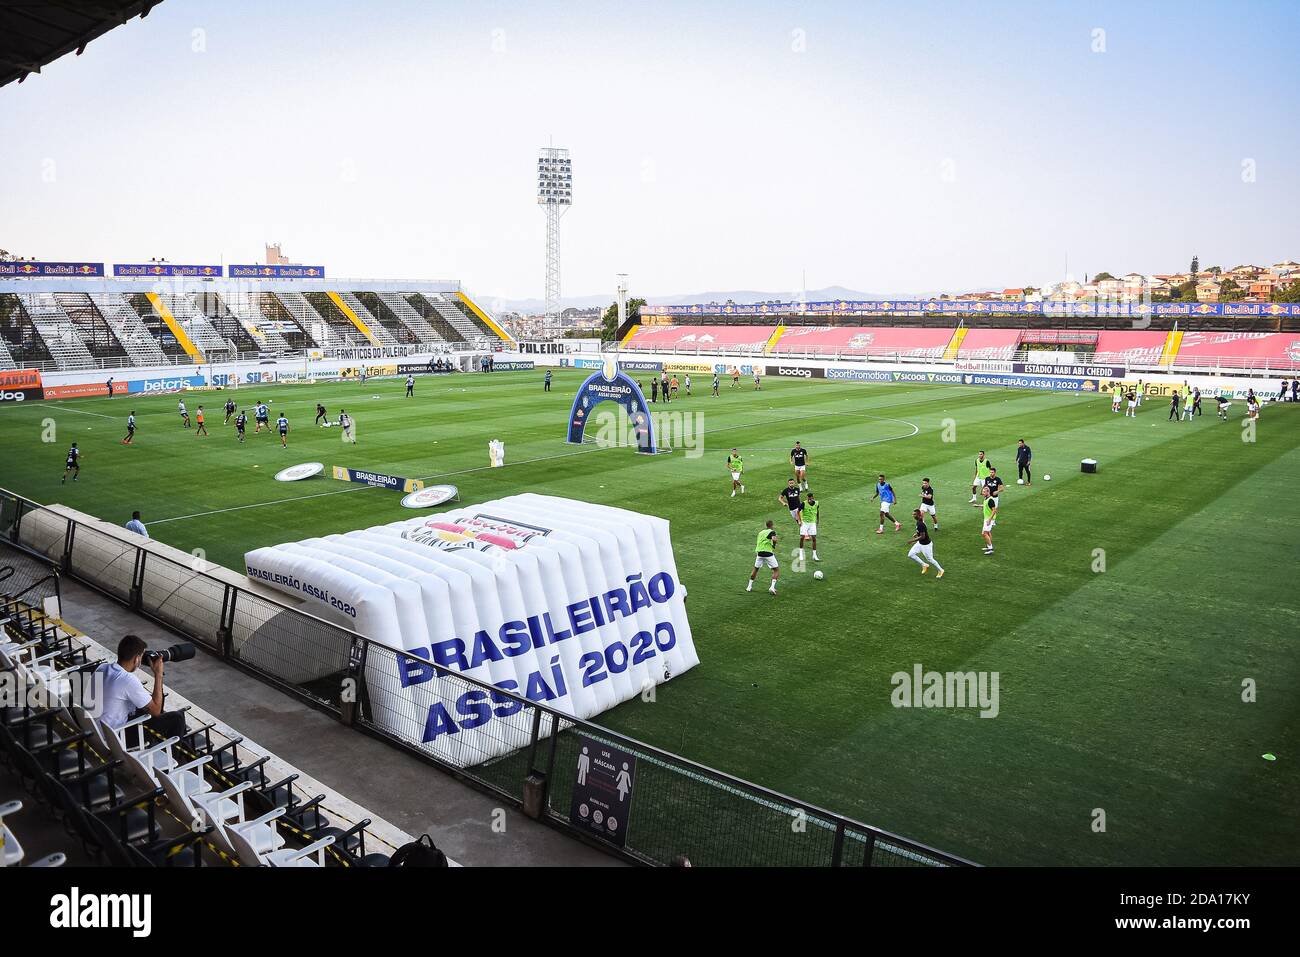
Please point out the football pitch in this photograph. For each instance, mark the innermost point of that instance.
(1126, 614)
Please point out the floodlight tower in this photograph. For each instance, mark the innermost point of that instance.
(555, 196)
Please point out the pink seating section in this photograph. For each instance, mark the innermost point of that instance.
(1276, 349)
(864, 341)
(1129, 347)
(702, 338)
(989, 344)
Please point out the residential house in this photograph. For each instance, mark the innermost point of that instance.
(1207, 290)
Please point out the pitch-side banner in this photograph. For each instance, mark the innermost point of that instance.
(35, 269)
(378, 479)
(574, 605)
(149, 270)
(275, 272)
(1046, 368)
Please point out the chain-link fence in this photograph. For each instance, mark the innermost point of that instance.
(519, 749)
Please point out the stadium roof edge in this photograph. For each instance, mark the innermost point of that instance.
(188, 284)
(33, 35)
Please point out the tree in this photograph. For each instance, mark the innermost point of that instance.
(1184, 292)
(1289, 293)
(1216, 270)
(1101, 276)
(1230, 291)
(1196, 266)
(609, 322)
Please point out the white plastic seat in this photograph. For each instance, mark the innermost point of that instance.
(254, 841)
(11, 852)
(313, 855)
(181, 785)
(143, 763)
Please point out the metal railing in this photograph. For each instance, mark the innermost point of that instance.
(678, 808)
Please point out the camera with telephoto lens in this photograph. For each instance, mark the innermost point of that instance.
(181, 651)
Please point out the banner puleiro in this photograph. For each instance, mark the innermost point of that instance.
(574, 605)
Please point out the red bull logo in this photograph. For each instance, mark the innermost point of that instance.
(482, 533)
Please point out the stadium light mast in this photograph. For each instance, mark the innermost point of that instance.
(621, 299)
(555, 196)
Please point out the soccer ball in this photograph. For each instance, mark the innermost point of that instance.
(1047, 478)
(818, 575)
(1020, 481)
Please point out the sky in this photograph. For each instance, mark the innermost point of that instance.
(891, 147)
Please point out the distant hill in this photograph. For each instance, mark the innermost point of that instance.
(743, 296)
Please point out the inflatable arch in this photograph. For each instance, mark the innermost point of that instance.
(612, 384)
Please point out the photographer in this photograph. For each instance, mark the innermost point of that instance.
(123, 694)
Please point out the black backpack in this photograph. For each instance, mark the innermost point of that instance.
(419, 853)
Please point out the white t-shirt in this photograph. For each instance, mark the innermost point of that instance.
(123, 694)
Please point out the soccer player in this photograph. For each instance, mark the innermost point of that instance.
(1188, 404)
(1223, 403)
(130, 429)
(885, 492)
(363, 375)
(198, 418)
(1024, 456)
(185, 416)
(716, 383)
(1116, 394)
(990, 507)
(1140, 390)
(790, 498)
(230, 410)
(1196, 401)
(110, 387)
(808, 525)
(736, 466)
(345, 421)
(922, 551)
(546, 381)
(799, 459)
(1132, 405)
(687, 383)
(765, 555)
(758, 383)
(410, 387)
(654, 389)
(283, 424)
(927, 502)
(261, 417)
(241, 423)
(674, 383)
(1252, 404)
(994, 485)
(73, 464)
(1174, 405)
(981, 473)
(322, 418)
(735, 377)
(663, 387)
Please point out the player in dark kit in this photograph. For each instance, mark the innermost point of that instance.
(799, 459)
(130, 429)
(241, 423)
(320, 415)
(1024, 456)
(72, 465)
(994, 485)
(927, 502)
(230, 410)
(791, 498)
(283, 424)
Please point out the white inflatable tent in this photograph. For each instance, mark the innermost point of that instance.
(575, 605)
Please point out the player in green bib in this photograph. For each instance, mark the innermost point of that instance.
(765, 556)
(990, 519)
(736, 466)
(808, 525)
(981, 473)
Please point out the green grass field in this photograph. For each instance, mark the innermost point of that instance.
(1119, 689)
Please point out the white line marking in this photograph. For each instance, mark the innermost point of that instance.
(364, 488)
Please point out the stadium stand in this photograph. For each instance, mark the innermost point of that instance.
(426, 306)
(752, 339)
(130, 798)
(401, 310)
(997, 344)
(873, 341)
(1239, 350)
(136, 339)
(1135, 348)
